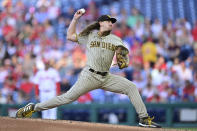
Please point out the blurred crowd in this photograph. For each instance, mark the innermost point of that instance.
(163, 57)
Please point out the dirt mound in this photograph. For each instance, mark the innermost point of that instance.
(16, 124)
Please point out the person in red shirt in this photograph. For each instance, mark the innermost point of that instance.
(7, 29)
(194, 32)
(87, 98)
(28, 88)
(188, 91)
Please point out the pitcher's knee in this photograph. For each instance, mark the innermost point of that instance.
(131, 88)
(132, 85)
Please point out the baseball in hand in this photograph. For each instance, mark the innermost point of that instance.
(82, 10)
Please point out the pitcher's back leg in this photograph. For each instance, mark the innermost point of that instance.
(84, 84)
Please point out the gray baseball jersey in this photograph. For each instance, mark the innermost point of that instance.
(100, 52)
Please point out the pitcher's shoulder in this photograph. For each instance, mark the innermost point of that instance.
(93, 32)
(115, 37)
(117, 41)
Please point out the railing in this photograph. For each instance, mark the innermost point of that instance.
(168, 115)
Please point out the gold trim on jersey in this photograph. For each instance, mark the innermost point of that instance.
(76, 36)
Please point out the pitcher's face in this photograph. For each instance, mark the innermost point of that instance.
(106, 25)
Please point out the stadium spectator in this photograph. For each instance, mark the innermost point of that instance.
(194, 32)
(156, 29)
(173, 50)
(149, 52)
(194, 59)
(161, 49)
(149, 93)
(139, 81)
(188, 92)
(86, 98)
(134, 18)
(185, 73)
(28, 89)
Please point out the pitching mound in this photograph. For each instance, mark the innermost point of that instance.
(13, 124)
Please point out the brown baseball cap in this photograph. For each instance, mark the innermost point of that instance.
(106, 18)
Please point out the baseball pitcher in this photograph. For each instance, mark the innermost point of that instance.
(101, 46)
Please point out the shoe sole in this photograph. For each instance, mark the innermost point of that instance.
(152, 126)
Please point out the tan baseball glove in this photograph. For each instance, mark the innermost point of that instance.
(122, 57)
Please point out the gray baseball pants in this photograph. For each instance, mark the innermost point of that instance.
(88, 81)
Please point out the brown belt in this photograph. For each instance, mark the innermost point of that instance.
(98, 72)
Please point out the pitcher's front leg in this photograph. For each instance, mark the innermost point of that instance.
(121, 85)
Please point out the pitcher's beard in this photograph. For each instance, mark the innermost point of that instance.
(105, 33)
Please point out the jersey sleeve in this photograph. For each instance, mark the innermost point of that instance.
(82, 39)
(120, 43)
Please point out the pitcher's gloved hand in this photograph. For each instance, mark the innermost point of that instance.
(122, 57)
